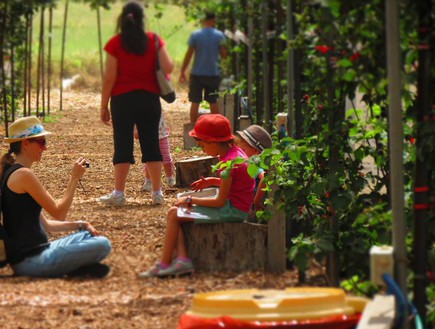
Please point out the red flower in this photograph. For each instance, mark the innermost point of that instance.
(410, 139)
(323, 49)
(355, 56)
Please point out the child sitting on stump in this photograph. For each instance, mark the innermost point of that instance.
(233, 203)
(254, 140)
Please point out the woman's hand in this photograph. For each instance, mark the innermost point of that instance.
(88, 227)
(105, 116)
(79, 168)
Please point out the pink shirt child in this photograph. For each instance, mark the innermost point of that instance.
(241, 193)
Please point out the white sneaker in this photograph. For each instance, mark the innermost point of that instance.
(158, 198)
(112, 200)
(146, 187)
(170, 181)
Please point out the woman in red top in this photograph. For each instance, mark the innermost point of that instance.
(130, 84)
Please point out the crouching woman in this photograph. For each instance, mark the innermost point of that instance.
(23, 198)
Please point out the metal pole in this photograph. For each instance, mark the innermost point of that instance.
(395, 136)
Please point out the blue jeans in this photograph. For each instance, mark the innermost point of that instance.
(65, 255)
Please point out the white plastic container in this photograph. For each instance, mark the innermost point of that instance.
(381, 262)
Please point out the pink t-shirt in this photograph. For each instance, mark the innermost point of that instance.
(241, 193)
(135, 72)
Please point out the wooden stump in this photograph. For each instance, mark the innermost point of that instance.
(189, 170)
(226, 247)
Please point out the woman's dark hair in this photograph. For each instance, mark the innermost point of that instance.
(131, 27)
(7, 160)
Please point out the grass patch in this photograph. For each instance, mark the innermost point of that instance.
(82, 54)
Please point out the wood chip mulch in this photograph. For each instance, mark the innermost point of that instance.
(121, 300)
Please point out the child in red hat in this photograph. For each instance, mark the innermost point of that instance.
(233, 203)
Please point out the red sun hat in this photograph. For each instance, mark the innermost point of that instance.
(212, 128)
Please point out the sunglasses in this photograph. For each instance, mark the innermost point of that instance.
(41, 141)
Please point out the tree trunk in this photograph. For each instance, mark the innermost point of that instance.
(226, 247)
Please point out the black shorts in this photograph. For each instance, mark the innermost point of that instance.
(140, 108)
(199, 84)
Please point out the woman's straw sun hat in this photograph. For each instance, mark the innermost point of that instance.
(25, 128)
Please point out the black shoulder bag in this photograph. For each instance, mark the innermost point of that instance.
(167, 92)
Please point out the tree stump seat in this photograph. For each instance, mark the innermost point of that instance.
(189, 170)
(226, 247)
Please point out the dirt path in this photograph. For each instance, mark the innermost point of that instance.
(121, 300)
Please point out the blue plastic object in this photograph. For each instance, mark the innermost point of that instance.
(401, 303)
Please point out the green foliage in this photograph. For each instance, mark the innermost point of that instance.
(356, 286)
(332, 181)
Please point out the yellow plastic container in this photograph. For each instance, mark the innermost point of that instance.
(292, 304)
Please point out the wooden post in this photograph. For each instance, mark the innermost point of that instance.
(229, 109)
(221, 104)
(244, 122)
(276, 255)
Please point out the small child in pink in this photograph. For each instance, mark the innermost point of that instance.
(168, 165)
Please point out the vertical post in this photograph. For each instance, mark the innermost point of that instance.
(12, 61)
(276, 256)
(290, 71)
(265, 64)
(42, 48)
(250, 52)
(40, 65)
(422, 170)
(49, 68)
(26, 76)
(395, 136)
(3, 68)
(100, 43)
(29, 65)
(65, 17)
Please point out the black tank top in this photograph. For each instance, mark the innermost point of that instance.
(21, 221)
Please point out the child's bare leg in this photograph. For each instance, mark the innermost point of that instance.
(172, 233)
(167, 158)
(181, 245)
(167, 167)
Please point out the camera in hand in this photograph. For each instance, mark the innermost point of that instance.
(87, 164)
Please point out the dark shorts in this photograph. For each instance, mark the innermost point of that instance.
(142, 108)
(203, 84)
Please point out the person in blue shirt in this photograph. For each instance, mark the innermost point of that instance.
(207, 46)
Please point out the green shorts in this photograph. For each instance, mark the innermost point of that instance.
(225, 214)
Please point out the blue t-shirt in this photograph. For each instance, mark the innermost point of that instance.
(206, 42)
